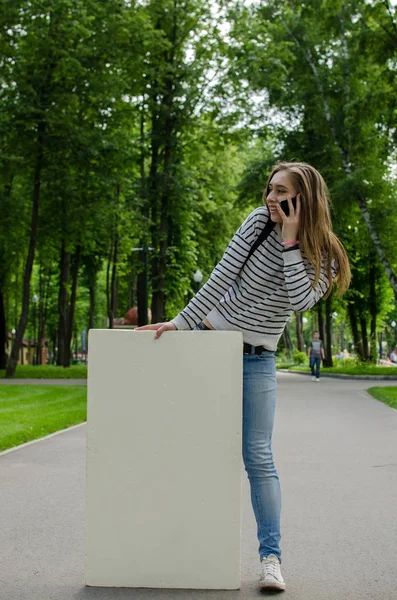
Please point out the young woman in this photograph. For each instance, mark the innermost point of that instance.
(256, 292)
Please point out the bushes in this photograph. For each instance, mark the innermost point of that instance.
(299, 358)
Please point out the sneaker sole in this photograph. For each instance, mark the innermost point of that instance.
(272, 586)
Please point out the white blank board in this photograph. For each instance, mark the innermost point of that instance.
(163, 497)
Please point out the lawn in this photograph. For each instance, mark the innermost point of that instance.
(33, 411)
(49, 372)
(388, 395)
(354, 369)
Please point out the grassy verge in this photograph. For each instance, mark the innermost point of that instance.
(388, 395)
(49, 372)
(347, 370)
(31, 412)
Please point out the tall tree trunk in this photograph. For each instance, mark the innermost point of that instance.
(108, 286)
(72, 307)
(142, 292)
(3, 334)
(354, 327)
(63, 304)
(321, 329)
(113, 299)
(41, 321)
(364, 337)
(111, 280)
(13, 360)
(92, 266)
(299, 331)
(158, 298)
(377, 244)
(91, 314)
(373, 310)
(287, 340)
(160, 260)
(342, 345)
(328, 362)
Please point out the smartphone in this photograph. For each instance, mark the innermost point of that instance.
(285, 206)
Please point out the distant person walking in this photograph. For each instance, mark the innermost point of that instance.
(316, 354)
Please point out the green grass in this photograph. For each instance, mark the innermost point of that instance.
(347, 370)
(49, 372)
(33, 411)
(388, 395)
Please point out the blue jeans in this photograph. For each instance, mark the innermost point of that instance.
(259, 403)
(315, 366)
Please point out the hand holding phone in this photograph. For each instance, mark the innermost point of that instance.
(285, 206)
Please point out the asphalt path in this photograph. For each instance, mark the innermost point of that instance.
(336, 452)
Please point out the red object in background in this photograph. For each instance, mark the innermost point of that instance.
(131, 316)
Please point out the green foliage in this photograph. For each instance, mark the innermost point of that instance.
(299, 358)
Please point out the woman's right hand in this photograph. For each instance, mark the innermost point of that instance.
(159, 328)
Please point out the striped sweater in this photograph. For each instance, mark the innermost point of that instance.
(259, 298)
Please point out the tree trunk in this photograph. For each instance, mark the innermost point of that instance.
(160, 260)
(142, 279)
(320, 320)
(342, 344)
(92, 265)
(364, 337)
(113, 288)
(41, 325)
(299, 331)
(378, 245)
(111, 279)
(63, 304)
(373, 311)
(3, 334)
(91, 315)
(13, 360)
(287, 341)
(108, 292)
(328, 362)
(354, 327)
(158, 297)
(72, 307)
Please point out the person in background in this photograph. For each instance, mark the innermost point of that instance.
(393, 356)
(316, 354)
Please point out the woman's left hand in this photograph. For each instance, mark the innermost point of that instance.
(290, 225)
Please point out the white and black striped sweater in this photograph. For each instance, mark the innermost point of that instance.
(258, 299)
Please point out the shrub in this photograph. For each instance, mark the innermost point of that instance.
(299, 357)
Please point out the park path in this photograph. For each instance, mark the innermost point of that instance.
(336, 452)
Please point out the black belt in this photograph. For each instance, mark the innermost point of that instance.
(249, 349)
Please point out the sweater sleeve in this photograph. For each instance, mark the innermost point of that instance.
(225, 272)
(302, 295)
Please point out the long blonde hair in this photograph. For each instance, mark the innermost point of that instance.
(317, 240)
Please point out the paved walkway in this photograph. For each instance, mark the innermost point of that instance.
(336, 452)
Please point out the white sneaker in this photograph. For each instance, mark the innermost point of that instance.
(317, 379)
(313, 378)
(271, 578)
